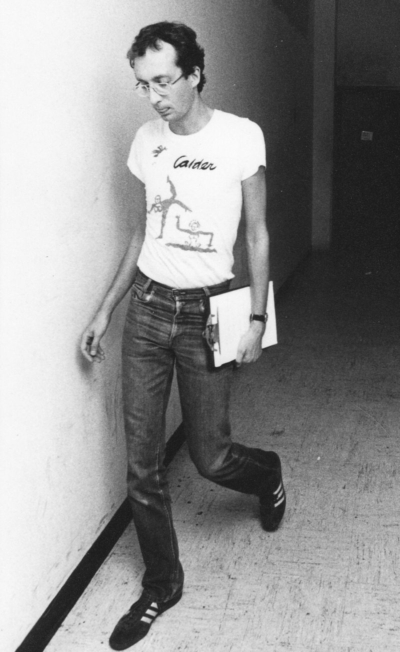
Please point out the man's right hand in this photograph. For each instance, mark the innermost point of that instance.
(90, 343)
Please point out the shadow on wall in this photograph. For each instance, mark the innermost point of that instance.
(368, 52)
(366, 68)
(297, 13)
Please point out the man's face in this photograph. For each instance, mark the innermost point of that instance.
(160, 66)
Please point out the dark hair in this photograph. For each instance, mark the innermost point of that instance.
(189, 54)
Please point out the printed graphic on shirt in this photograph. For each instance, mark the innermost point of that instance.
(189, 237)
(183, 162)
(163, 205)
(192, 239)
(158, 150)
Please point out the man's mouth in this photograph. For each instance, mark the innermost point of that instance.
(163, 111)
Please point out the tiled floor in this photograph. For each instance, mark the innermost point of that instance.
(327, 398)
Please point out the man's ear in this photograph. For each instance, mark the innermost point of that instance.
(195, 76)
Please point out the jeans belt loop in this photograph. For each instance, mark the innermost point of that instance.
(146, 286)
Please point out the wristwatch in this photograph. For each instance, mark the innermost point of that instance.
(262, 318)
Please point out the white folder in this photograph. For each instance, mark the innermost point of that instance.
(230, 318)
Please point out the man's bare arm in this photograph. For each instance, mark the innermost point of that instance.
(257, 242)
(90, 342)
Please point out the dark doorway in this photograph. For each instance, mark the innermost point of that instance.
(366, 199)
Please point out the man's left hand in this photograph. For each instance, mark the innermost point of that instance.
(249, 349)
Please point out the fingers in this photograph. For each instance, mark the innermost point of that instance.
(90, 347)
(90, 343)
(96, 353)
(240, 357)
(247, 354)
(249, 349)
(246, 359)
(244, 351)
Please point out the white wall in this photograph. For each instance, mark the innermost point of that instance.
(66, 123)
(67, 120)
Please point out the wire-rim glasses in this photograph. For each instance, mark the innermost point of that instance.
(161, 88)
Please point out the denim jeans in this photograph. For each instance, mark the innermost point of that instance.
(164, 329)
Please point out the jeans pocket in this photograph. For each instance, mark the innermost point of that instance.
(141, 295)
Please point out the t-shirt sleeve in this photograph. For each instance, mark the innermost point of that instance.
(135, 157)
(253, 150)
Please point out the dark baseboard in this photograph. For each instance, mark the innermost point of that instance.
(44, 630)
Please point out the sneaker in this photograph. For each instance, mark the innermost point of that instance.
(272, 498)
(272, 508)
(135, 624)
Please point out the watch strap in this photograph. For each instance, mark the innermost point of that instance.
(255, 317)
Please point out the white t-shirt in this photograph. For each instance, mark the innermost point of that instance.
(194, 196)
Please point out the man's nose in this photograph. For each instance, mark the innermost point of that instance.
(153, 96)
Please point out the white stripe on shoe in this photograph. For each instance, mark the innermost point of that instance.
(280, 495)
(151, 613)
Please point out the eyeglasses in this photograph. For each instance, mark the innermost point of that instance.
(161, 88)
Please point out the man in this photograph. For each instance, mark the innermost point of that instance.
(192, 167)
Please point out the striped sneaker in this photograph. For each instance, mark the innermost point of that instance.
(135, 624)
(272, 501)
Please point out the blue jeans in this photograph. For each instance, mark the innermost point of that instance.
(164, 329)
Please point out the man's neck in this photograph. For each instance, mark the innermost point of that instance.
(200, 114)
